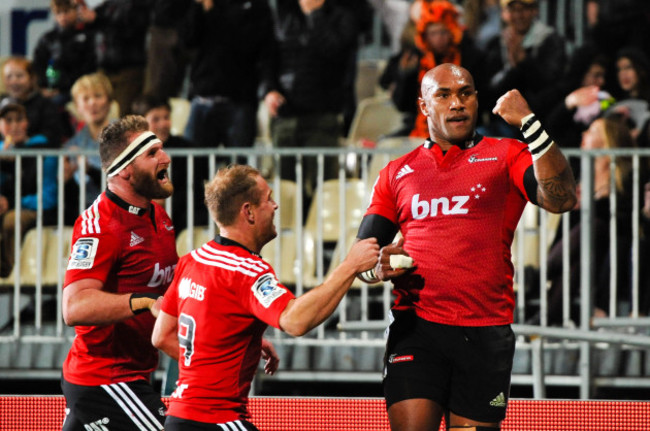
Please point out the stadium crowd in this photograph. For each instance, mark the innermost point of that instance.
(298, 59)
(101, 80)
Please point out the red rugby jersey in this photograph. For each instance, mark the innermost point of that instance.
(457, 213)
(129, 249)
(224, 296)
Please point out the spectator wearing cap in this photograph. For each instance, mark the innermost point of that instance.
(13, 128)
(528, 55)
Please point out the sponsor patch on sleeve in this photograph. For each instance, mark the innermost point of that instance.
(83, 253)
(266, 290)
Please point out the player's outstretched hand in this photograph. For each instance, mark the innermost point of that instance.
(512, 107)
(363, 254)
(393, 261)
(270, 356)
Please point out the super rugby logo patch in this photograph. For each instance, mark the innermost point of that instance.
(266, 290)
(83, 253)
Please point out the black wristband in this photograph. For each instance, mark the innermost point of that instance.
(153, 296)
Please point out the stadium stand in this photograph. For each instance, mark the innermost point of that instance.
(375, 117)
(180, 114)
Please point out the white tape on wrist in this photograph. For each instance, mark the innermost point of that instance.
(369, 276)
(400, 261)
(536, 138)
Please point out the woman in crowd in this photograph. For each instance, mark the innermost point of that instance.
(604, 133)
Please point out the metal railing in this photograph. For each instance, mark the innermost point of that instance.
(362, 315)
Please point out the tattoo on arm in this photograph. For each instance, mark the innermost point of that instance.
(553, 192)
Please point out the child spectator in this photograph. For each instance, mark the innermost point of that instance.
(92, 95)
(64, 53)
(13, 127)
(42, 114)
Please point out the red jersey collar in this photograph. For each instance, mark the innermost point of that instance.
(428, 144)
(222, 240)
(127, 206)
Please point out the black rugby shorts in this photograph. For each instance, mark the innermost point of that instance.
(118, 406)
(464, 369)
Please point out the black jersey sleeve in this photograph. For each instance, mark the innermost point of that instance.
(530, 184)
(376, 226)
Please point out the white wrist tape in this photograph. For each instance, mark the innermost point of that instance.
(369, 276)
(401, 261)
(536, 138)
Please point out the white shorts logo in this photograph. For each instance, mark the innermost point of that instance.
(83, 253)
(97, 425)
(266, 290)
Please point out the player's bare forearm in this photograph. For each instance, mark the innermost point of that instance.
(164, 335)
(85, 304)
(311, 309)
(556, 189)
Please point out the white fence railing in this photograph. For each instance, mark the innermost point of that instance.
(349, 346)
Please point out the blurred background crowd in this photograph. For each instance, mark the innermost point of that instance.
(295, 63)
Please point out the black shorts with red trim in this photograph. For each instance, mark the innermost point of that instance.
(464, 369)
(117, 406)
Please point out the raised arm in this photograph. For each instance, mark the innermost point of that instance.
(556, 186)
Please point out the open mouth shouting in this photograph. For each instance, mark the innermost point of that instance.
(163, 176)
